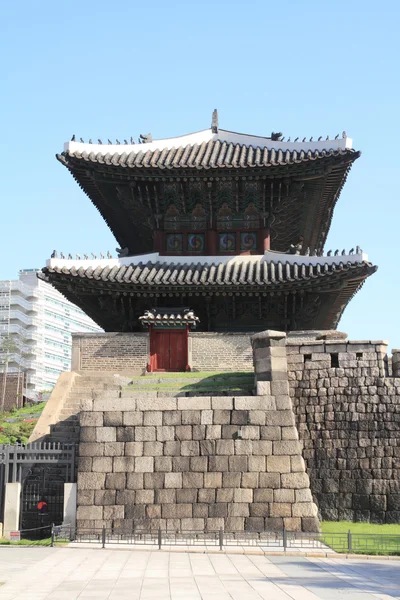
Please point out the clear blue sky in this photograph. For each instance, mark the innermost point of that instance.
(115, 69)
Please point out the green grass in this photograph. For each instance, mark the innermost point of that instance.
(208, 382)
(24, 421)
(196, 374)
(366, 537)
(44, 542)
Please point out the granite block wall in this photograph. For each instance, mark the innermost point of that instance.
(121, 352)
(348, 417)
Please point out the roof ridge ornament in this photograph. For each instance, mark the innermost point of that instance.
(214, 121)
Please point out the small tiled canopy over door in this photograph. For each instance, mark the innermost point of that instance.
(168, 350)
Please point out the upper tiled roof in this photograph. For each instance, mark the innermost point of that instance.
(207, 150)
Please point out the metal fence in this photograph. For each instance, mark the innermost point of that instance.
(282, 540)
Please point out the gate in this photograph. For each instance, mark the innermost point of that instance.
(42, 469)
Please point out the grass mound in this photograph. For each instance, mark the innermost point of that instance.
(17, 425)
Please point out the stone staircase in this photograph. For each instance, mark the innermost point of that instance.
(111, 388)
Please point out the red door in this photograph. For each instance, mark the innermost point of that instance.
(168, 350)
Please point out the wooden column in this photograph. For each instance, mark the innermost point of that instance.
(263, 239)
(211, 242)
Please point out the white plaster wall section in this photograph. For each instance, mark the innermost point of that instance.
(206, 135)
(154, 257)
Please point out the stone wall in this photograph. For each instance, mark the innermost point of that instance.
(13, 386)
(121, 352)
(348, 417)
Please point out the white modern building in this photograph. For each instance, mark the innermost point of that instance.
(40, 321)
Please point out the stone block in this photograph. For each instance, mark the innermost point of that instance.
(180, 464)
(115, 481)
(279, 388)
(292, 524)
(87, 434)
(262, 447)
(225, 447)
(86, 497)
(229, 432)
(171, 417)
(234, 524)
(199, 432)
(165, 433)
(256, 463)
(289, 433)
(144, 496)
(126, 434)
(303, 495)
(206, 417)
(154, 403)
(283, 402)
(144, 464)
(102, 464)
(271, 480)
(190, 448)
(259, 509)
(207, 495)
(165, 496)
(113, 448)
(222, 417)
(273, 524)
(270, 432)
(212, 480)
(283, 418)
(135, 512)
(214, 524)
(153, 417)
(113, 512)
(145, 434)
(110, 404)
(310, 524)
(225, 495)
(250, 432)
(257, 417)
(218, 463)
(198, 464)
(89, 512)
(91, 481)
(263, 388)
(153, 511)
(239, 417)
(238, 463)
(213, 432)
(297, 464)
(91, 449)
(152, 448)
(219, 509)
(173, 480)
(153, 481)
(162, 464)
(221, 403)
(263, 496)
(194, 524)
(193, 480)
(239, 509)
(304, 509)
(243, 495)
(91, 419)
(278, 464)
(176, 511)
(280, 509)
(283, 495)
(231, 480)
(172, 448)
(288, 447)
(254, 523)
(242, 447)
(132, 418)
(134, 481)
(183, 432)
(254, 403)
(295, 480)
(134, 448)
(85, 463)
(194, 403)
(186, 496)
(123, 464)
(113, 418)
(191, 417)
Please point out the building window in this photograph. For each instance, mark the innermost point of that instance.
(195, 242)
(248, 241)
(174, 242)
(227, 242)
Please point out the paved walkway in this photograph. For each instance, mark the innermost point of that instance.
(71, 573)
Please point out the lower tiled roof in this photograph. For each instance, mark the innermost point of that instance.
(235, 273)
